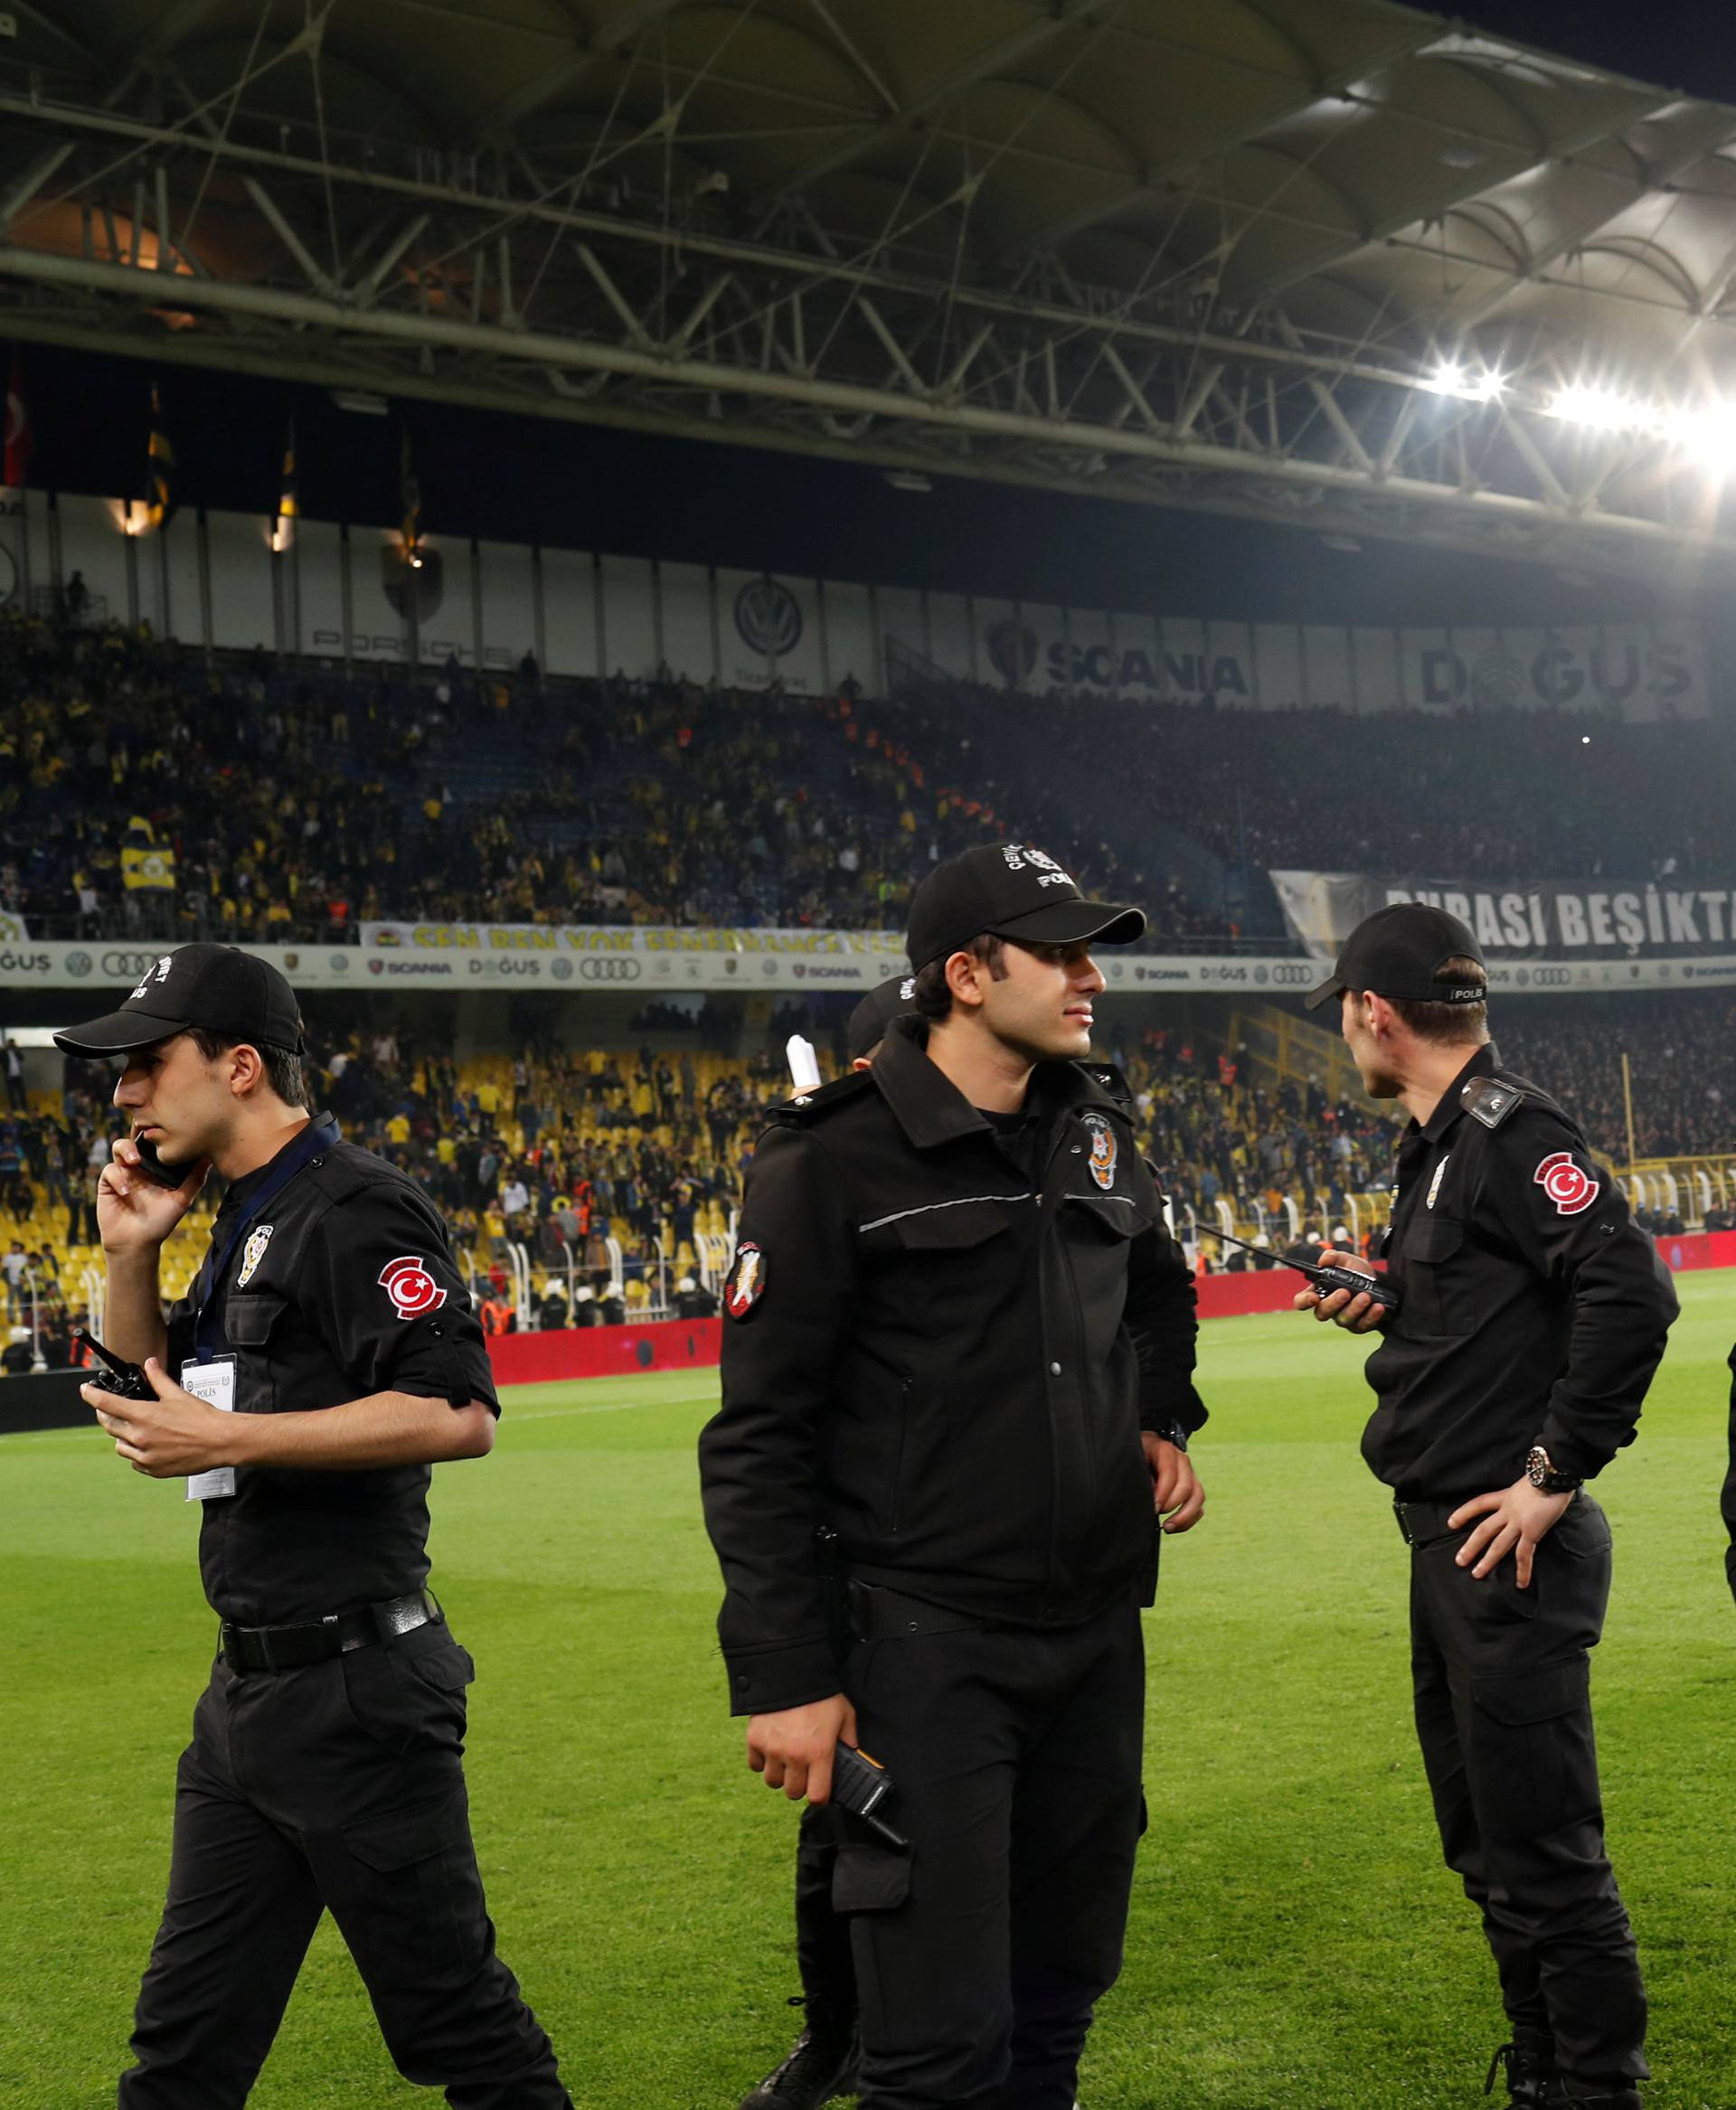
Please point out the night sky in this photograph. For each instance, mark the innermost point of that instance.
(526, 479)
(1672, 43)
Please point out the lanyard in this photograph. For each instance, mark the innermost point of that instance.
(207, 1333)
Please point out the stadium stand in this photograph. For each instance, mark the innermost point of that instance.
(660, 802)
(590, 1182)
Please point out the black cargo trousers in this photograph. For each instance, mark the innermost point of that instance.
(1503, 1715)
(980, 1954)
(337, 1787)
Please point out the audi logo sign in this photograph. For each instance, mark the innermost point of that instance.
(128, 967)
(610, 968)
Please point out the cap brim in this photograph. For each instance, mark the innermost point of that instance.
(1317, 997)
(119, 1033)
(1071, 922)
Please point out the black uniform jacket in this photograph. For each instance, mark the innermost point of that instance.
(344, 1284)
(1534, 1308)
(944, 1350)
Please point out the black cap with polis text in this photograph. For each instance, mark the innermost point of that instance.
(876, 1012)
(1011, 890)
(217, 987)
(1398, 950)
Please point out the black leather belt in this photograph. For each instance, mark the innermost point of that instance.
(878, 1613)
(288, 1648)
(1419, 1521)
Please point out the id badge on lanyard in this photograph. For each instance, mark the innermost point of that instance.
(214, 1381)
(210, 1375)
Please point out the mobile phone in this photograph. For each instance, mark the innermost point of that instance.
(152, 1165)
(124, 1379)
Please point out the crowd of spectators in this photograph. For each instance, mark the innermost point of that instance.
(294, 808)
(1681, 1052)
(1219, 1136)
(1483, 794)
(298, 804)
(566, 1152)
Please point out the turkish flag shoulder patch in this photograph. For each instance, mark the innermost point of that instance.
(1567, 1182)
(411, 1288)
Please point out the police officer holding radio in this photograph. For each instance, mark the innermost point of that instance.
(822, 2062)
(957, 1353)
(1532, 1314)
(326, 1357)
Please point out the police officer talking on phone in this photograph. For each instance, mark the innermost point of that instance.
(958, 1348)
(326, 1357)
(1532, 1314)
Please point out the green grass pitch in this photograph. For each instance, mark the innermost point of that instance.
(1295, 1945)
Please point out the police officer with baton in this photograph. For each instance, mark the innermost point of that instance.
(1531, 1314)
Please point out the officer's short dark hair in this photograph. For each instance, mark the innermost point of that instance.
(1455, 1023)
(931, 998)
(282, 1067)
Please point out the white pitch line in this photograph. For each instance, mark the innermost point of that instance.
(613, 1406)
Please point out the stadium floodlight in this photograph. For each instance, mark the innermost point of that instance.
(1450, 378)
(1709, 434)
(1604, 409)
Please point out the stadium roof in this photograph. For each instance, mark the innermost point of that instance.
(1342, 264)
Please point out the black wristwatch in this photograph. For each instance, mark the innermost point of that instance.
(1175, 1433)
(1542, 1476)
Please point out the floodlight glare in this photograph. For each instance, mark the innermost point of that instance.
(1450, 378)
(1708, 434)
(1604, 409)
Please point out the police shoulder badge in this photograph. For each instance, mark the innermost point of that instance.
(1103, 1150)
(411, 1288)
(1568, 1185)
(252, 1253)
(746, 1282)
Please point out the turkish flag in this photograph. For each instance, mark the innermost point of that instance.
(19, 438)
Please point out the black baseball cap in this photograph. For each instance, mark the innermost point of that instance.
(1397, 952)
(876, 1012)
(1014, 892)
(220, 987)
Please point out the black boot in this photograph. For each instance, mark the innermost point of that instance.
(822, 2062)
(1611, 2091)
(1530, 2061)
(821, 2065)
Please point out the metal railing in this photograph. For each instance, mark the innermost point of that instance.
(1688, 1187)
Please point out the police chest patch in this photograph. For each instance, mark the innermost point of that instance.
(252, 1253)
(1568, 1185)
(1103, 1150)
(411, 1288)
(745, 1283)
